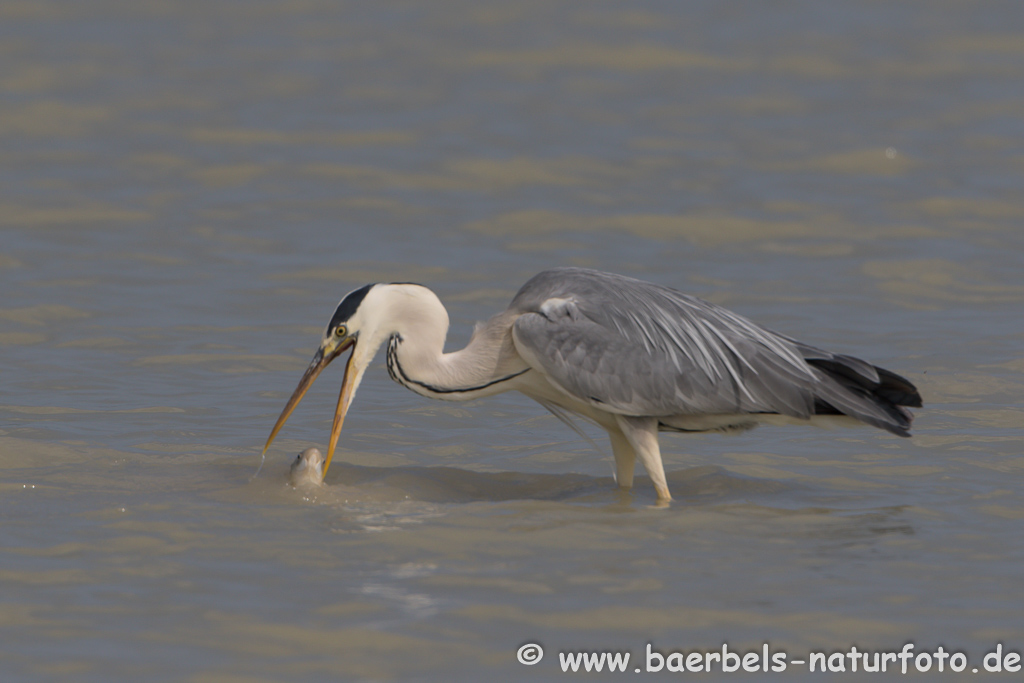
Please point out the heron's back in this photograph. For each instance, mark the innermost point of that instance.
(637, 348)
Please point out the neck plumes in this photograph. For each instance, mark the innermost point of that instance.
(414, 324)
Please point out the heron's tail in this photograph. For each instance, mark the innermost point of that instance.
(874, 395)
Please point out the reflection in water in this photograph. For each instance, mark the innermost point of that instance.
(454, 485)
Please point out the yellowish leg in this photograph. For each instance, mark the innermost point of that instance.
(625, 459)
(642, 435)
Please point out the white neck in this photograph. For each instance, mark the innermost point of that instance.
(414, 323)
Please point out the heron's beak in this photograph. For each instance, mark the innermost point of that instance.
(353, 374)
(320, 361)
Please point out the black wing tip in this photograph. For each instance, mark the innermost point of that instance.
(898, 389)
(902, 419)
(883, 404)
(897, 420)
(890, 387)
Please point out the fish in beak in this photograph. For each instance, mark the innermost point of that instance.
(328, 351)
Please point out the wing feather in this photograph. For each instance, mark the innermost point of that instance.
(637, 348)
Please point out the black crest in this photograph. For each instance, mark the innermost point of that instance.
(348, 306)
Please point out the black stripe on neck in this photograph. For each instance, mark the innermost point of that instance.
(398, 374)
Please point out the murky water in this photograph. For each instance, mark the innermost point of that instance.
(188, 189)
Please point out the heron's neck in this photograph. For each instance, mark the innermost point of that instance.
(416, 357)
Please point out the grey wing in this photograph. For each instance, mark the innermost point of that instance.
(636, 348)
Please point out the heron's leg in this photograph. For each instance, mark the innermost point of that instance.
(625, 458)
(642, 435)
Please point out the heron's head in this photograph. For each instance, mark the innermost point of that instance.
(363, 320)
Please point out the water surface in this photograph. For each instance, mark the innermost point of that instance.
(189, 188)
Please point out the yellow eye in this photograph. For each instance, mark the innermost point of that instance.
(340, 331)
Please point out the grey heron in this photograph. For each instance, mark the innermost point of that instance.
(633, 357)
